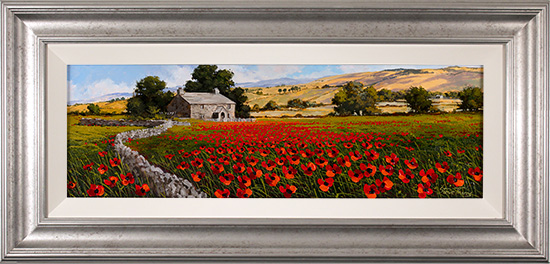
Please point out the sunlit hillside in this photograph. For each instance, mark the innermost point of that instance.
(116, 107)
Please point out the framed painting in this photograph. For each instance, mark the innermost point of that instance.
(425, 124)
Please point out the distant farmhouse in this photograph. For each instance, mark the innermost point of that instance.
(202, 105)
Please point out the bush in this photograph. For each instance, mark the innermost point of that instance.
(472, 99)
(418, 100)
(94, 109)
(271, 105)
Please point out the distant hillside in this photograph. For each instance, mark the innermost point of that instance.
(116, 107)
(322, 90)
(274, 82)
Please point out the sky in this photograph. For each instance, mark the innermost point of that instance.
(92, 81)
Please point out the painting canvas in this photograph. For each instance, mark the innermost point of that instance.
(275, 131)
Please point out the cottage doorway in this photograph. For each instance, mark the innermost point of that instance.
(222, 116)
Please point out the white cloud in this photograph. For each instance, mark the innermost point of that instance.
(97, 89)
(177, 76)
(350, 68)
(244, 73)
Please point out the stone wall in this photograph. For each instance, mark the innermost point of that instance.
(122, 122)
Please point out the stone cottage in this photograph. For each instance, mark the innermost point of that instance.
(202, 105)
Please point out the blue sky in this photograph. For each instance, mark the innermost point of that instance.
(91, 81)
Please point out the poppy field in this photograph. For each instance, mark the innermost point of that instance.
(414, 156)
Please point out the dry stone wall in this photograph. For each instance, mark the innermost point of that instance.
(121, 122)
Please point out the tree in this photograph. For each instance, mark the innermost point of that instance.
(256, 108)
(418, 99)
(271, 105)
(385, 95)
(205, 78)
(149, 97)
(94, 109)
(284, 90)
(353, 99)
(280, 90)
(472, 99)
(297, 103)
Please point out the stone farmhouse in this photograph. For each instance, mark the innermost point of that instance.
(202, 105)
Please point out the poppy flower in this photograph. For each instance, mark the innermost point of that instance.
(460, 151)
(324, 185)
(307, 153)
(309, 169)
(114, 162)
(372, 155)
(212, 159)
(195, 152)
(321, 162)
(369, 170)
(244, 193)
(111, 182)
(424, 190)
(169, 156)
(88, 167)
(443, 167)
(142, 190)
(448, 153)
(428, 176)
(222, 194)
(183, 165)
(384, 184)
(252, 161)
(181, 151)
(302, 145)
(332, 170)
(239, 168)
(392, 159)
(127, 179)
(294, 160)
(186, 155)
(197, 163)
(355, 175)
(292, 151)
(344, 161)
(102, 169)
(320, 145)
(237, 157)
(366, 145)
(289, 172)
(409, 148)
(319, 152)
(271, 179)
(71, 185)
(406, 176)
(254, 173)
(281, 161)
(264, 152)
(198, 176)
(280, 151)
(412, 164)
(386, 171)
(269, 165)
(210, 150)
(332, 152)
(227, 178)
(455, 180)
(244, 181)
(370, 191)
(477, 173)
(229, 150)
(379, 145)
(217, 168)
(95, 190)
(330, 144)
(220, 150)
(102, 153)
(288, 190)
(348, 145)
(355, 156)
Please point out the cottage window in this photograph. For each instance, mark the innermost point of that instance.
(202, 106)
(229, 107)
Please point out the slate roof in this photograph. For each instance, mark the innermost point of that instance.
(205, 98)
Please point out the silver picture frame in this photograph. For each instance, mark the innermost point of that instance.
(28, 234)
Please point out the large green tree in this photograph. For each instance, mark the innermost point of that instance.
(472, 99)
(418, 99)
(354, 99)
(149, 97)
(205, 78)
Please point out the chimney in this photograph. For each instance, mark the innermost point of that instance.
(216, 91)
(180, 91)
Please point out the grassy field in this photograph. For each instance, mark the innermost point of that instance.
(116, 107)
(435, 156)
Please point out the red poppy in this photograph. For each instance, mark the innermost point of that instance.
(428, 176)
(406, 176)
(210, 150)
(111, 182)
(372, 155)
(186, 155)
(392, 159)
(294, 160)
(288, 190)
(127, 179)
(269, 165)
(355, 156)
(271, 179)
(321, 162)
(142, 190)
(239, 168)
(477, 173)
(324, 185)
(386, 171)
(222, 194)
(348, 145)
(71, 185)
(280, 151)
(443, 167)
(227, 178)
(95, 190)
(102, 153)
(102, 169)
(412, 164)
(181, 151)
(455, 180)
(460, 151)
(169, 156)
(344, 162)
(244, 193)
(370, 191)
(379, 145)
(384, 184)
(318, 152)
(252, 161)
(217, 168)
(292, 151)
(309, 169)
(244, 181)
(237, 157)
(183, 165)
(356, 175)
(307, 153)
(369, 170)
(330, 144)
(196, 152)
(424, 190)
(289, 172)
(409, 148)
(448, 153)
(366, 145)
(302, 145)
(264, 152)
(332, 152)
(332, 170)
(198, 176)
(212, 159)
(197, 163)
(88, 167)
(114, 162)
(254, 173)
